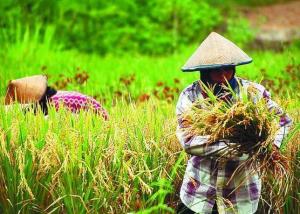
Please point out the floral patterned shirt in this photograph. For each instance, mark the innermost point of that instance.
(75, 101)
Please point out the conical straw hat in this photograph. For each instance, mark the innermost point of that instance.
(215, 52)
(26, 90)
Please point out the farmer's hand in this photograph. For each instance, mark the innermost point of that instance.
(245, 147)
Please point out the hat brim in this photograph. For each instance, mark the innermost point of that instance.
(209, 67)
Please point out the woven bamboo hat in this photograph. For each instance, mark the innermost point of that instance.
(26, 90)
(215, 52)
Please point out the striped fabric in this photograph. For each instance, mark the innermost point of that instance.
(75, 101)
(207, 177)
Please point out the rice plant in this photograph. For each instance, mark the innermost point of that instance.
(69, 163)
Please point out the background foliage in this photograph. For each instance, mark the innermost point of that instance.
(102, 26)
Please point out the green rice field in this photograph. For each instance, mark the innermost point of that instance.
(132, 163)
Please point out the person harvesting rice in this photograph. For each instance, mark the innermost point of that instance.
(213, 181)
(35, 90)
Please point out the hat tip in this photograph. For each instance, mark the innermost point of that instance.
(213, 33)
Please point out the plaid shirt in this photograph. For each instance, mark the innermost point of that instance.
(207, 178)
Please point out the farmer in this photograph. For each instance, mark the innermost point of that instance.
(35, 90)
(207, 187)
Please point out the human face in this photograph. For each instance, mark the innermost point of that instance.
(221, 75)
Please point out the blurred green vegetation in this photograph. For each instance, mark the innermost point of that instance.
(146, 27)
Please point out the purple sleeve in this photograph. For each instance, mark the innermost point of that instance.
(285, 122)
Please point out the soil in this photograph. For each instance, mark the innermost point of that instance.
(279, 22)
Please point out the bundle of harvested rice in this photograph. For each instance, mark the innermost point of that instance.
(249, 126)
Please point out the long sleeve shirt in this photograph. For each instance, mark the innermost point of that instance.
(207, 179)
